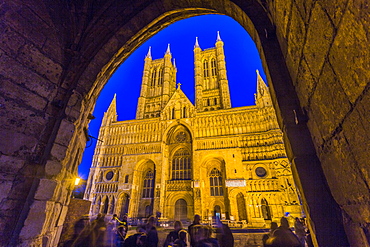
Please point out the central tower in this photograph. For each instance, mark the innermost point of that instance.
(211, 84)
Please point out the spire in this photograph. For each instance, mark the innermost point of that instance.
(196, 43)
(218, 36)
(113, 104)
(262, 89)
(149, 55)
(111, 114)
(168, 49)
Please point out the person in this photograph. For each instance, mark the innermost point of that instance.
(137, 239)
(224, 235)
(98, 231)
(203, 237)
(81, 233)
(191, 229)
(181, 241)
(283, 236)
(273, 227)
(151, 232)
(300, 231)
(120, 229)
(173, 235)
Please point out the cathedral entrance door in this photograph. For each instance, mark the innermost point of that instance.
(181, 210)
(217, 210)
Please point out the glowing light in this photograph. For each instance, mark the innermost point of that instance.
(77, 180)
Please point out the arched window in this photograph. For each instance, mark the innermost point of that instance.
(154, 75)
(184, 112)
(148, 186)
(181, 165)
(215, 181)
(265, 209)
(213, 67)
(205, 69)
(126, 179)
(160, 77)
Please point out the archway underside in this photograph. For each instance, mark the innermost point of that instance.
(77, 64)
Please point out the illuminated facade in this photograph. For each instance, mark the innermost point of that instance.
(179, 159)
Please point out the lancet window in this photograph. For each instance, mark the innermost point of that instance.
(160, 77)
(213, 67)
(215, 180)
(205, 69)
(154, 75)
(148, 186)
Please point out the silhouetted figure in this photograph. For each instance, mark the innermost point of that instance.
(81, 234)
(273, 227)
(181, 241)
(300, 231)
(151, 232)
(98, 235)
(137, 239)
(191, 229)
(120, 229)
(203, 237)
(224, 235)
(283, 236)
(173, 235)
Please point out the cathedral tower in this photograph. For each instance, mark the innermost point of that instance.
(158, 85)
(211, 84)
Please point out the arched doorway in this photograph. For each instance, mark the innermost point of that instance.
(266, 213)
(148, 210)
(124, 205)
(217, 211)
(105, 206)
(242, 211)
(181, 210)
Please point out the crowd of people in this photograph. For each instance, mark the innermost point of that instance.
(113, 233)
(283, 236)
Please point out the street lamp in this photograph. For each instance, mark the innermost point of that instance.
(77, 181)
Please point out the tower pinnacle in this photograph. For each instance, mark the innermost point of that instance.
(168, 49)
(196, 43)
(149, 54)
(218, 36)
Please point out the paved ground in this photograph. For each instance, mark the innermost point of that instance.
(242, 237)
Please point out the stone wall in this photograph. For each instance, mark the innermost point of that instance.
(55, 57)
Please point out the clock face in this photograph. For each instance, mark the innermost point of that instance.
(181, 136)
(260, 172)
(109, 175)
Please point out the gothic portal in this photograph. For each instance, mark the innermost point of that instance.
(181, 159)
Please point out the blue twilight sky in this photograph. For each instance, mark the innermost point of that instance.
(242, 60)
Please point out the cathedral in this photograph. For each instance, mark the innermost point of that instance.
(177, 159)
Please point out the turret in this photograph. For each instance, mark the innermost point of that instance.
(262, 96)
(198, 76)
(111, 114)
(221, 65)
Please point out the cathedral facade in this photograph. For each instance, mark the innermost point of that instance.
(180, 159)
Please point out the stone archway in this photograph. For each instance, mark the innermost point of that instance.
(55, 69)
